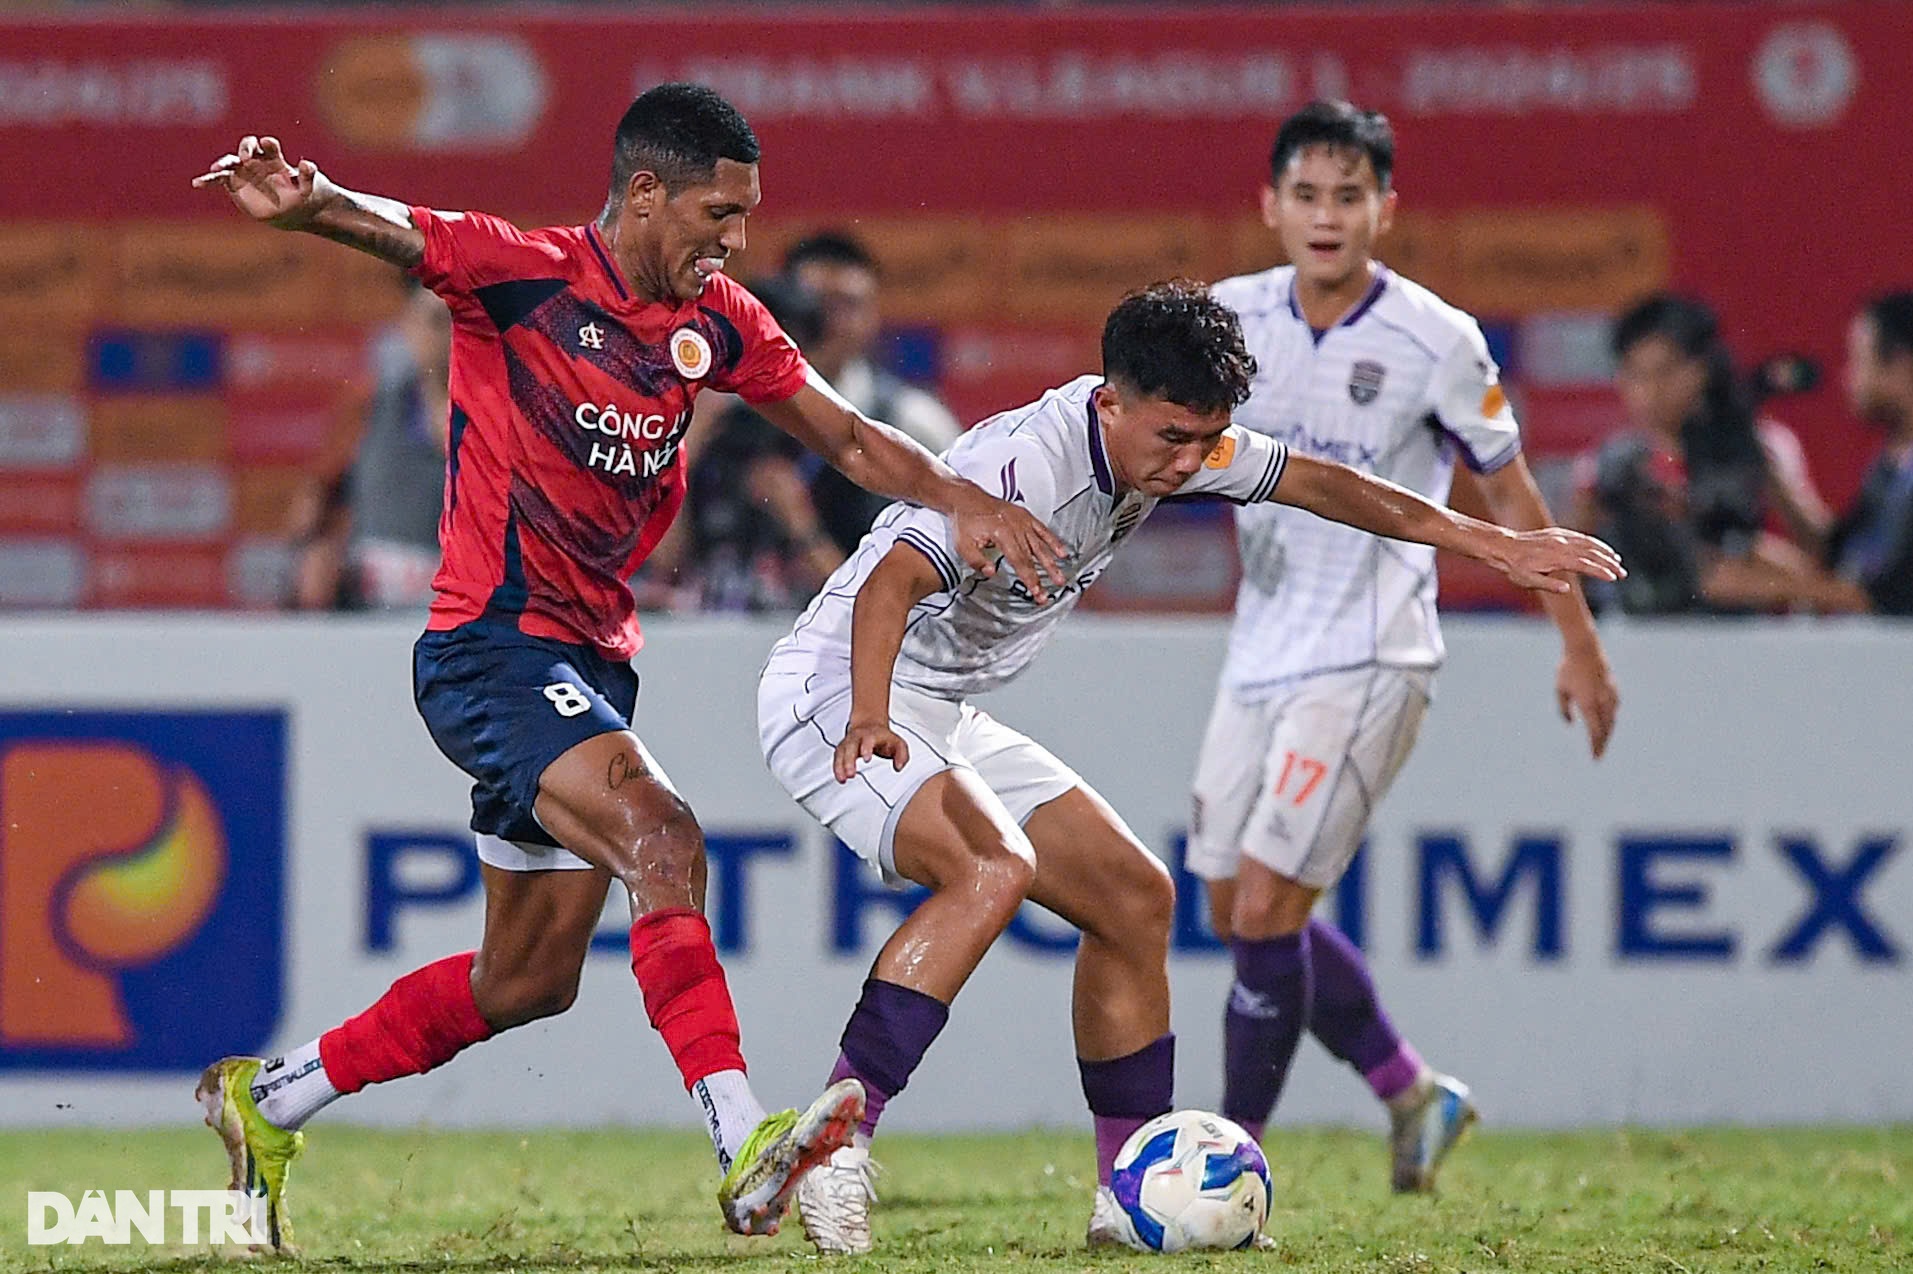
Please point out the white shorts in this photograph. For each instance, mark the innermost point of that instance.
(515, 855)
(1292, 779)
(802, 716)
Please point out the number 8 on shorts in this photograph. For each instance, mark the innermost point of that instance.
(567, 698)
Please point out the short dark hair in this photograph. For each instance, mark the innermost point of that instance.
(1892, 318)
(1173, 341)
(1341, 126)
(1684, 322)
(831, 247)
(679, 132)
(1691, 326)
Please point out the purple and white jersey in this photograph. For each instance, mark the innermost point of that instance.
(1397, 389)
(975, 634)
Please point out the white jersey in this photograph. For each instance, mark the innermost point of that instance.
(1396, 389)
(977, 633)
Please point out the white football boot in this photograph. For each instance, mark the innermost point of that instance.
(1109, 1225)
(833, 1202)
(1424, 1124)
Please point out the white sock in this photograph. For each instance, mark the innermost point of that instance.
(293, 1087)
(730, 1112)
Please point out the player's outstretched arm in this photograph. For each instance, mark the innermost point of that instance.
(1584, 683)
(266, 188)
(1542, 560)
(877, 622)
(881, 459)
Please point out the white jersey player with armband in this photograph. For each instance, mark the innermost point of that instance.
(1332, 656)
(864, 716)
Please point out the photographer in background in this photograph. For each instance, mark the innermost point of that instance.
(757, 542)
(1686, 494)
(367, 525)
(842, 274)
(1797, 511)
(1872, 544)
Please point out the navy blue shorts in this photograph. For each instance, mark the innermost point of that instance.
(503, 706)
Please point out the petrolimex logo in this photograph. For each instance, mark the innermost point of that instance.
(142, 863)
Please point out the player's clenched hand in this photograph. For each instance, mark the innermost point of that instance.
(265, 186)
(1584, 684)
(1543, 560)
(865, 739)
(987, 527)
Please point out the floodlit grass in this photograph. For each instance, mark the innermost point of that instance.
(426, 1202)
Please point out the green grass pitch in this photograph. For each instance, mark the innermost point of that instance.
(428, 1202)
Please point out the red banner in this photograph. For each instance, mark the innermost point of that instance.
(1016, 170)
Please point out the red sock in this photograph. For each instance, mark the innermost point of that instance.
(684, 992)
(422, 1021)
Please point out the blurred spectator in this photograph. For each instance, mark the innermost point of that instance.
(842, 274)
(1872, 543)
(1685, 493)
(369, 528)
(756, 539)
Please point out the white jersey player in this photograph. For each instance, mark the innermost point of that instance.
(1335, 643)
(865, 720)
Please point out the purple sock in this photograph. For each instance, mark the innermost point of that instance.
(1124, 1093)
(1347, 1015)
(1268, 1007)
(888, 1033)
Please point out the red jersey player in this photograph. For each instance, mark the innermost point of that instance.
(576, 354)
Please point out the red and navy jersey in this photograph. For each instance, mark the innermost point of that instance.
(570, 397)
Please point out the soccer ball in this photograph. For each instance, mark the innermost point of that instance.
(1189, 1180)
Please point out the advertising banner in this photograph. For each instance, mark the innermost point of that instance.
(1015, 171)
(229, 837)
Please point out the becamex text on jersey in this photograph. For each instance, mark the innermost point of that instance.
(1397, 389)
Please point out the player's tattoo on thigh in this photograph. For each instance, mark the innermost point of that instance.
(622, 767)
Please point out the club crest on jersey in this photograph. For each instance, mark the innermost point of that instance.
(591, 336)
(1365, 381)
(690, 353)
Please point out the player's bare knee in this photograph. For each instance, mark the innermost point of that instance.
(1268, 905)
(658, 854)
(1153, 896)
(998, 875)
(1006, 873)
(1137, 907)
(675, 843)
